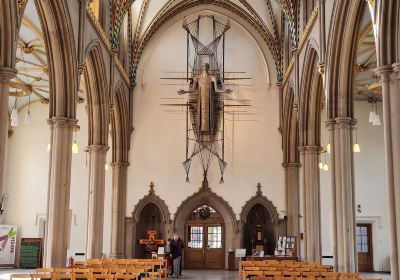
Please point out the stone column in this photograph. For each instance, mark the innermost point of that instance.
(312, 209)
(94, 240)
(58, 212)
(344, 249)
(119, 172)
(292, 198)
(391, 115)
(6, 74)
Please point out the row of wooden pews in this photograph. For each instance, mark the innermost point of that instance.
(107, 269)
(290, 270)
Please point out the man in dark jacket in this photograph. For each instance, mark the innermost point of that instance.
(176, 255)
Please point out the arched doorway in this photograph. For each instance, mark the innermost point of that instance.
(204, 232)
(151, 213)
(259, 232)
(149, 219)
(205, 196)
(260, 224)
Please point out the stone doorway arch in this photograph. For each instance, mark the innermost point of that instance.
(275, 225)
(205, 196)
(151, 200)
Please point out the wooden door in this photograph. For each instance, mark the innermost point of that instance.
(194, 253)
(364, 247)
(204, 241)
(214, 253)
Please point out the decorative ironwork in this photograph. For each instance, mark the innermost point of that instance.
(204, 212)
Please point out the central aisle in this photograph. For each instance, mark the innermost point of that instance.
(209, 274)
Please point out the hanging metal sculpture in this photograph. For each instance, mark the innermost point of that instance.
(205, 106)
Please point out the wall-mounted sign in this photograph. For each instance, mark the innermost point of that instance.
(8, 242)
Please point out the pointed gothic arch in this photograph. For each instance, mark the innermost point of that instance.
(311, 99)
(256, 204)
(150, 198)
(97, 95)
(205, 196)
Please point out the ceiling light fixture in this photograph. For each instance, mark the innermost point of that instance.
(356, 146)
(374, 117)
(326, 168)
(75, 148)
(377, 120)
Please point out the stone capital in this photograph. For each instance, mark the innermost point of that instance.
(119, 163)
(97, 148)
(384, 72)
(62, 122)
(7, 73)
(344, 122)
(330, 124)
(310, 149)
(396, 68)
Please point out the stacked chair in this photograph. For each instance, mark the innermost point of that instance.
(102, 269)
(290, 270)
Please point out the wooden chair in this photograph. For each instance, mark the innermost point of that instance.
(56, 276)
(291, 274)
(135, 270)
(99, 270)
(41, 276)
(269, 268)
(284, 278)
(264, 278)
(62, 270)
(329, 274)
(44, 270)
(125, 276)
(327, 278)
(117, 270)
(103, 276)
(252, 273)
(81, 270)
(311, 273)
(20, 276)
(306, 278)
(272, 273)
(327, 267)
(79, 276)
(304, 269)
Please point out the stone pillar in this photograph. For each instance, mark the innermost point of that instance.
(344, 222)
(6, 74)
(119, 172)
(94, 240)
(391, 115)
(292, 198)
(312, 209)
(58, 212)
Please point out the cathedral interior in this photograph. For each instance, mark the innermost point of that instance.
(255, 130)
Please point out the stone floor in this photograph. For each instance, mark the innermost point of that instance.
(198, 274)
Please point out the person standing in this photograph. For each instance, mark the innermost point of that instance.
(176, 254)
(182, 246)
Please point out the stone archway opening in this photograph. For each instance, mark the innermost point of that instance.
(150, 218)
(259, 231)
(205, 196)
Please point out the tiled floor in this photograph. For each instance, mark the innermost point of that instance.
(197, 274)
